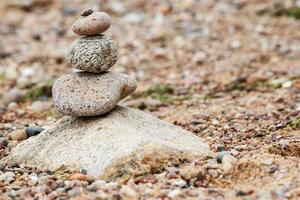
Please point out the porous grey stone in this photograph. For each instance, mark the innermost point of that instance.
(93, 54)
(88, 94)
(117, 146)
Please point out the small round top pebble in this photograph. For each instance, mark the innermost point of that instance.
(92, 23)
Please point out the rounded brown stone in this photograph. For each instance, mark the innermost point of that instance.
(92, 23)
(87, 94)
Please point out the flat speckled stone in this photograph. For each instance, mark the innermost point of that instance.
(123, 144)
(88, 94)
(93, 54)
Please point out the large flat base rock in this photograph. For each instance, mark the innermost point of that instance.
(123, 143)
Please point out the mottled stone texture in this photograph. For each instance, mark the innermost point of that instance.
(93, 24)
(88, 94)
(93, 54)
(117, 146)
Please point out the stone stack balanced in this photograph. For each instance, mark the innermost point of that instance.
(117, 146)
(93, 90)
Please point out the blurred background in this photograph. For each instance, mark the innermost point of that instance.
(226, 70)
(182, 52)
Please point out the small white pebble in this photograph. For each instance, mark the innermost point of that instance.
(127, 192)
(37, 106)
(226, 127)
(133, 18)
(179, 183)
(199, 57)
(229, 159)
(28, 72)
(102, 195)
(68, 184)
(287, 84)
(7, 175)
(98, 184)
(227, 167)
(234, 152)
(267, 162)
(33, 180)
(75, 191)
(110, 185)
(213, 173)
(60, 190)
(149, 191)
(9, 180)
(116, 7)
(12, 105)
(228, 163)
(11, 73)
(174, 193)
(235, 44)
(13, 193)
(43, 180)
(215, 122)
(160, 53)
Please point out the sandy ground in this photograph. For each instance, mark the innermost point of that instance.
(227, 71)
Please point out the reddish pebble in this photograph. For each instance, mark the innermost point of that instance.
(92, 23)
(79, 176)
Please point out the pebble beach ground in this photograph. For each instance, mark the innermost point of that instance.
(227, 71)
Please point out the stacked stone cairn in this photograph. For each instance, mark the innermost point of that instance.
(91, 90)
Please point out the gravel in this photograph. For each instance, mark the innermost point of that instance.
(234, 70)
